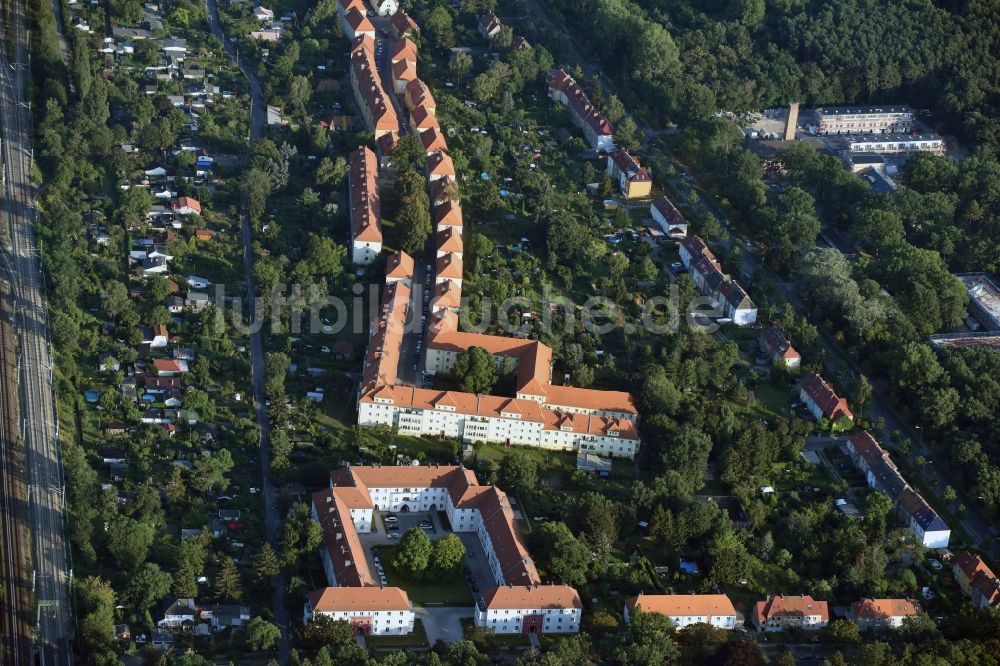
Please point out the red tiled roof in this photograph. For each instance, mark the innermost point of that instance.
(359, 599)
(780, 606)
(366, 209)
(823, 395)
(884, 608)
(537, 596)
(579, 103)
(684, 605)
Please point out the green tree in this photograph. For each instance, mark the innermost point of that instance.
(409, 154)
(261, 635)
(299, 93)
(518, 472)
(413, 217)
(256, 188)
(647, 640)
(265, 564)
(96, 609)
(414, 553)
(146, 586)
(565, 559)
(476, 370)
(228, 584)
(460, 66)
(129, 541)
(438, 28)
(332, 171)
(842, 631)
(447, 555)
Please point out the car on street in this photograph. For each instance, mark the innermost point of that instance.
(392, 535)
(390, 519)
(676, 268)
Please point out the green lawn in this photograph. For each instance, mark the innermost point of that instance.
(549, 462)
(417, 639)
(451, 592)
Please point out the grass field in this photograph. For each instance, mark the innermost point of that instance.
(451, 592)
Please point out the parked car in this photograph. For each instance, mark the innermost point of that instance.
(393, 535)
(390, 519)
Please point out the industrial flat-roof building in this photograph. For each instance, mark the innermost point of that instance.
(984, 295)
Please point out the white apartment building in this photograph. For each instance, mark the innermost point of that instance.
(372, 611)
(540, 609)
(686, 609)
(863, 120)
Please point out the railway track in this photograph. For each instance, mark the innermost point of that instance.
(15, 611)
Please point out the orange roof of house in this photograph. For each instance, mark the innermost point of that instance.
(682, 605)
(403, 49)
(447, 294)
(417, 93)
(358, 21)
(384, 347)
(364, 71)
(359, 599)
(399, 266)
(579, 104)
(167, 365)
(443, 190)
(186, 202)
(881, 608)
(972, 565)
(449, 240)
(366, 209)
(401, 23)
(440, 164)
(421, 118)
(821, 393)
(341, 540)
(204, 234)
(534, 596)
(404, 70)
(447, 214)
(433, 140)
(781, 605)
(572, 396)
(449, 266)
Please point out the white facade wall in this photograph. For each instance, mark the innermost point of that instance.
(470, 428)
(364, 253)
(742, 316)
(385, 7)
(813, 408)
(383, 623)
(508, 621)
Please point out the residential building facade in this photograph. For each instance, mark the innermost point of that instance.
(779, 613)
(882, 613)
(564, 89)
(863, 120)
(976, 580)
(686, 609)
(366, 209)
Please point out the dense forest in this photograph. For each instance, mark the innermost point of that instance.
(688, 57)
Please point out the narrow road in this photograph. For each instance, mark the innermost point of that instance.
(272, 523)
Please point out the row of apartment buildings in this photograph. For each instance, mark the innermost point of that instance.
(882, 475)
(519, 602)
(540, 414)
(714, 283)
(776, 613)
(633, 179)
(976, 580)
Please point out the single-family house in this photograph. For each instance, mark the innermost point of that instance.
(263, 13)
(670, 219)
(185, 206)
(489, 25)
(177, 614)
(775, 347)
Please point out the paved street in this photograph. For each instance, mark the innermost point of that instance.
(39, 427)
(272, 527)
